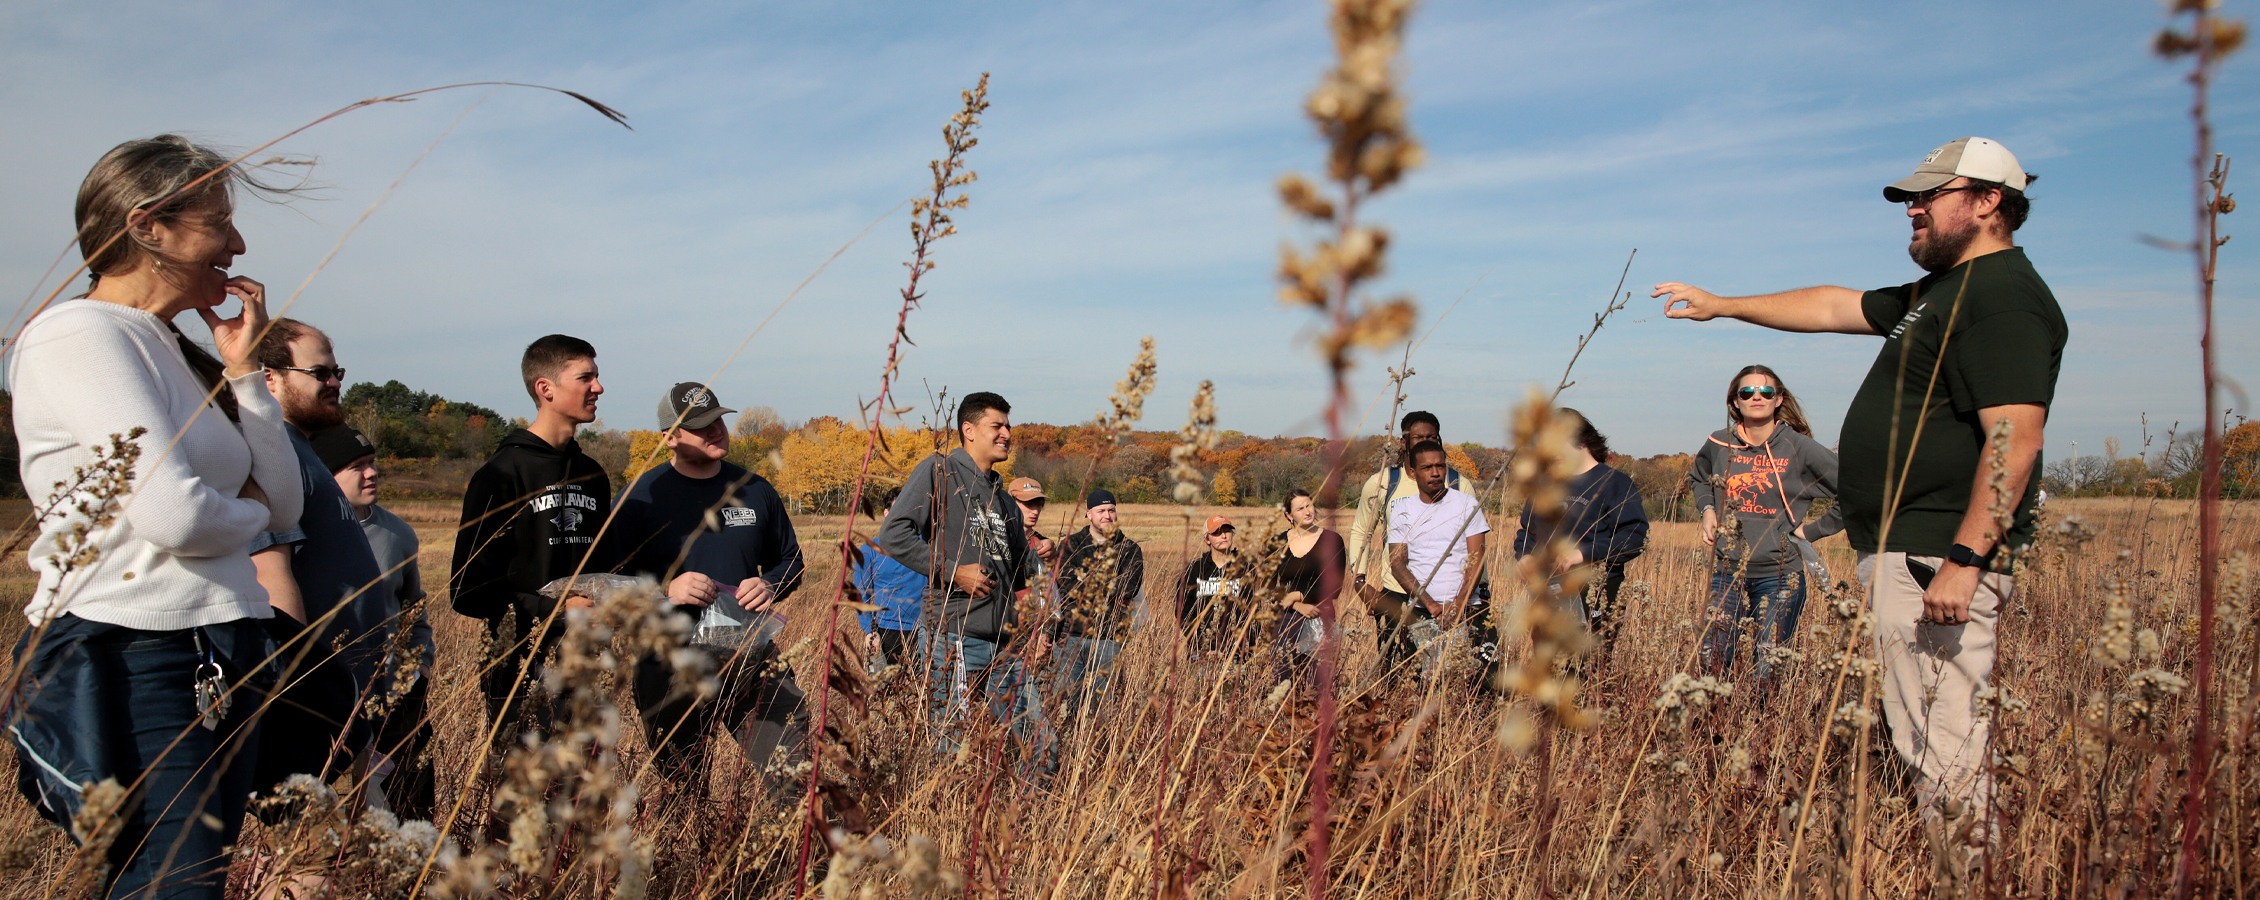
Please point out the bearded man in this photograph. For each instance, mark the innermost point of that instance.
(312, 574)
(1970, 356)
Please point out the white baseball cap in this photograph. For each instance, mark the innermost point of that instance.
(1971, 157)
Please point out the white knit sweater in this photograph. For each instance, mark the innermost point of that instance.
(175, 556)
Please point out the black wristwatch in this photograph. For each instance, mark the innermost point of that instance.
(1964, 556)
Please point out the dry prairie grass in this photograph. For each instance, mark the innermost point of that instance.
(1189, 779)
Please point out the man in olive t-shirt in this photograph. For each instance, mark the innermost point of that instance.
(1971, 349)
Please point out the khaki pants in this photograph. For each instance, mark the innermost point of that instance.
(1931, 676)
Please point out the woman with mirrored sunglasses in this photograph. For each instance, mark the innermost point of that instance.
(1756, 481)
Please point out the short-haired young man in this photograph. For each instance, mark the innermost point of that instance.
(313, 572)
(955, 523)
(531, 516)
(1435, 550)
(1369, 551)
(401, 773)
(717, 535)
(1972, 347)
(1100, 578)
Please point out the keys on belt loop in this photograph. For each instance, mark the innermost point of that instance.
(211, 685)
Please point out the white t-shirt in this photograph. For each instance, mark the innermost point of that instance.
(1435, 537)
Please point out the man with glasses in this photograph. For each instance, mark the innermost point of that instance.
(1970, 357)
(315, 573)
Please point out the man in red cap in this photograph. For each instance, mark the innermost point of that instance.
(1210, 592)
(1029, 493)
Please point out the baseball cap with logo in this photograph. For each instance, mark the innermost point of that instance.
(1971, 157)
(1219, 523)
(339, 445)
(692, 402)
(1025, 489)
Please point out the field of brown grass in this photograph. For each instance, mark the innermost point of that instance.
(1191, 779)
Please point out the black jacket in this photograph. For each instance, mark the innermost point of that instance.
(1212, 605)
(1107, 612)
(530, 516)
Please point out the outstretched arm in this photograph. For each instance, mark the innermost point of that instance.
(1813, 309)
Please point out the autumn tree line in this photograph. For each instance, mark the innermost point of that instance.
(431, 445)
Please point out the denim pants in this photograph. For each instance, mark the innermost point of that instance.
(961, 666)
(1085, 665)
(1774, 601)
(100, 701)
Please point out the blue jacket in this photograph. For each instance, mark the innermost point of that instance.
(891, 586)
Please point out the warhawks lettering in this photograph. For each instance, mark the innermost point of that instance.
(547, 502)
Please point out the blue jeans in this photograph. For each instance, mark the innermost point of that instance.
(958, 667)
(1085, 664)
(1774, 602)
(100, 701)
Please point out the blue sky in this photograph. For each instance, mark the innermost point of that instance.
(1126, 172)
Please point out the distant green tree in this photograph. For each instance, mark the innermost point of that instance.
(404, 422)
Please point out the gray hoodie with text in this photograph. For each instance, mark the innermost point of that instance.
(952, 514)
(1770, 486)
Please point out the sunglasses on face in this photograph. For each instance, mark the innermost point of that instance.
(319, 373)
(1924, 199)
(1753, 393)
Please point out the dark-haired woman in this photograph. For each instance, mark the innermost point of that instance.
(1604, 516)
(1309, 576)
(1759, 477)
(143, 661)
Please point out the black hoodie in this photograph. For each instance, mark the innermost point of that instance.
(530, 515)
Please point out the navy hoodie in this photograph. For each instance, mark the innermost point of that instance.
(1602, 513)
(530, 516)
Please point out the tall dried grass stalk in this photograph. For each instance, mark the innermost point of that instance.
(841, 668)
(1361, 116)
(2209, 40)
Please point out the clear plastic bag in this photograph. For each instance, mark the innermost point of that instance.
(723, 625)
(596, 586)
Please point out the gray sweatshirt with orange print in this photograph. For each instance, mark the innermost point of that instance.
(1770, 487)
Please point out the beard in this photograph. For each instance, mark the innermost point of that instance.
(1936, 250)
(311, 412)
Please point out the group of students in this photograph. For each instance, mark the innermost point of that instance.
(959, 570)
(222, 605)
(213, 616)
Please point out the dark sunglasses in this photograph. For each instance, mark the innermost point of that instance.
(320, 373)
(1752, 392)
(1924, 199)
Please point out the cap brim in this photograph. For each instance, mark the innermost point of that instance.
(706, 418)
(1905, 188)
(1031, 496)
